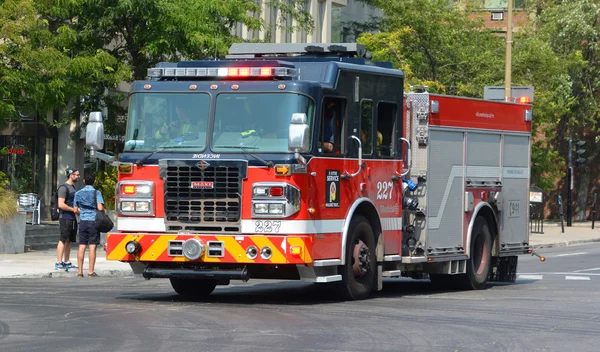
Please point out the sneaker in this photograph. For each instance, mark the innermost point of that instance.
(60, 266)
(70, 265)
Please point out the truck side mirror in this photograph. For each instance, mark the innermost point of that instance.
(94, 133)
(299, 134)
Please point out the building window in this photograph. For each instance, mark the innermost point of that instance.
(502, 4)
(346, 35)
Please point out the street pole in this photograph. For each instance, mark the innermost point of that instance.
(569, 181)
(507, 69)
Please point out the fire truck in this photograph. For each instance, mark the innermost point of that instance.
(310, 162)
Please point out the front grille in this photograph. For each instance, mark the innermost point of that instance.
(206, 209)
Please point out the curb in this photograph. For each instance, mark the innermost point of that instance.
(73, 274)
(564, 243)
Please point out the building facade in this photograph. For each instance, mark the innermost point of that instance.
(333, 21)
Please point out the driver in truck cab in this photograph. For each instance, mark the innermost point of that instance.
(178, 127)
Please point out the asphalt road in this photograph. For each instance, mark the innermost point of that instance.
(554, 306)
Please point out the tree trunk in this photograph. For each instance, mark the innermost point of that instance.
(582, 187)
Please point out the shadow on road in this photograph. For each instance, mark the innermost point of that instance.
(297, 293)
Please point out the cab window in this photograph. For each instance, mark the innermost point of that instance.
(366, 127)
(386, 126)
(331, 139)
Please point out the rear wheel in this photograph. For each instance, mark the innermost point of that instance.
(193, 287)
(479, 263)
(359, 272)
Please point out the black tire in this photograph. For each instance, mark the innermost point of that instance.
(479, 263)
(193, 287)
(359, 286)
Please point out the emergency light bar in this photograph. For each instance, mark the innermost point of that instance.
(222, 72)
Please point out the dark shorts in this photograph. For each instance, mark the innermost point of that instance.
(88, 233)
(68, 230)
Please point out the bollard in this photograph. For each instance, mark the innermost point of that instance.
(560, 209)
(594, 208)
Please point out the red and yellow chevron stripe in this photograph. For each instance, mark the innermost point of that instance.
(154, 248)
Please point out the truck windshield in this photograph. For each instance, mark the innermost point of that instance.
(167, 121)
(257, 121)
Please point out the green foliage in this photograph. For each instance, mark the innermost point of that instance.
(106, 183)
(44, 67)
(437, 44)
(56, 52)
(4, 181)
(142, 33)
(440, 44)
(8, 204)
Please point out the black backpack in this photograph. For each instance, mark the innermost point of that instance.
(54, 211)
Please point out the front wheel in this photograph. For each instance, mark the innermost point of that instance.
(359, 274)
(193, 287)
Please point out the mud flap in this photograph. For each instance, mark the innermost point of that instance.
(504, 269)
(380, 254)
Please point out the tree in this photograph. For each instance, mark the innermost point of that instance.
(437, 44)
(572, 31)
(61, 51)
(142, 33)
(41, 68)
(445, 47)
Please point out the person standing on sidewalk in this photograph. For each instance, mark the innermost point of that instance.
(67, 220)
(88, 200)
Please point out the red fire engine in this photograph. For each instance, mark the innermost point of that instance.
(309, 162)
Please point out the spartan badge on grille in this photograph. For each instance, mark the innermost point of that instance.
(202, 164)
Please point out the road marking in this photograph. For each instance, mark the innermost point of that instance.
(530, 277)
(583, 270)
(558, 273)
(570, 254)
(577, 278)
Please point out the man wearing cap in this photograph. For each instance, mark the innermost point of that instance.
(67, 221)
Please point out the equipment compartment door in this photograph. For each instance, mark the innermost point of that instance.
(445, 185)
(515, 189)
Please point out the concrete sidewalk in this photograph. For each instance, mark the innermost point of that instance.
(38, 264)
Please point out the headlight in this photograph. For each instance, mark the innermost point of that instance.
(135, 197)
(261, 191)
(275, 199)
(276, 208)
(142, 206)
(127, 206)
(144, 190)
(261, 208)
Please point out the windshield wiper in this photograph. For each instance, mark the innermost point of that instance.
(268, 164)
(140, 162)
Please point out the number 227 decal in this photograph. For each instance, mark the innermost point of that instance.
(266, 226)
(384, 190)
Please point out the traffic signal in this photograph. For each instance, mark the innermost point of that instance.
(580, 159)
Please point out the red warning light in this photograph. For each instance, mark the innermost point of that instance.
(524, 100)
